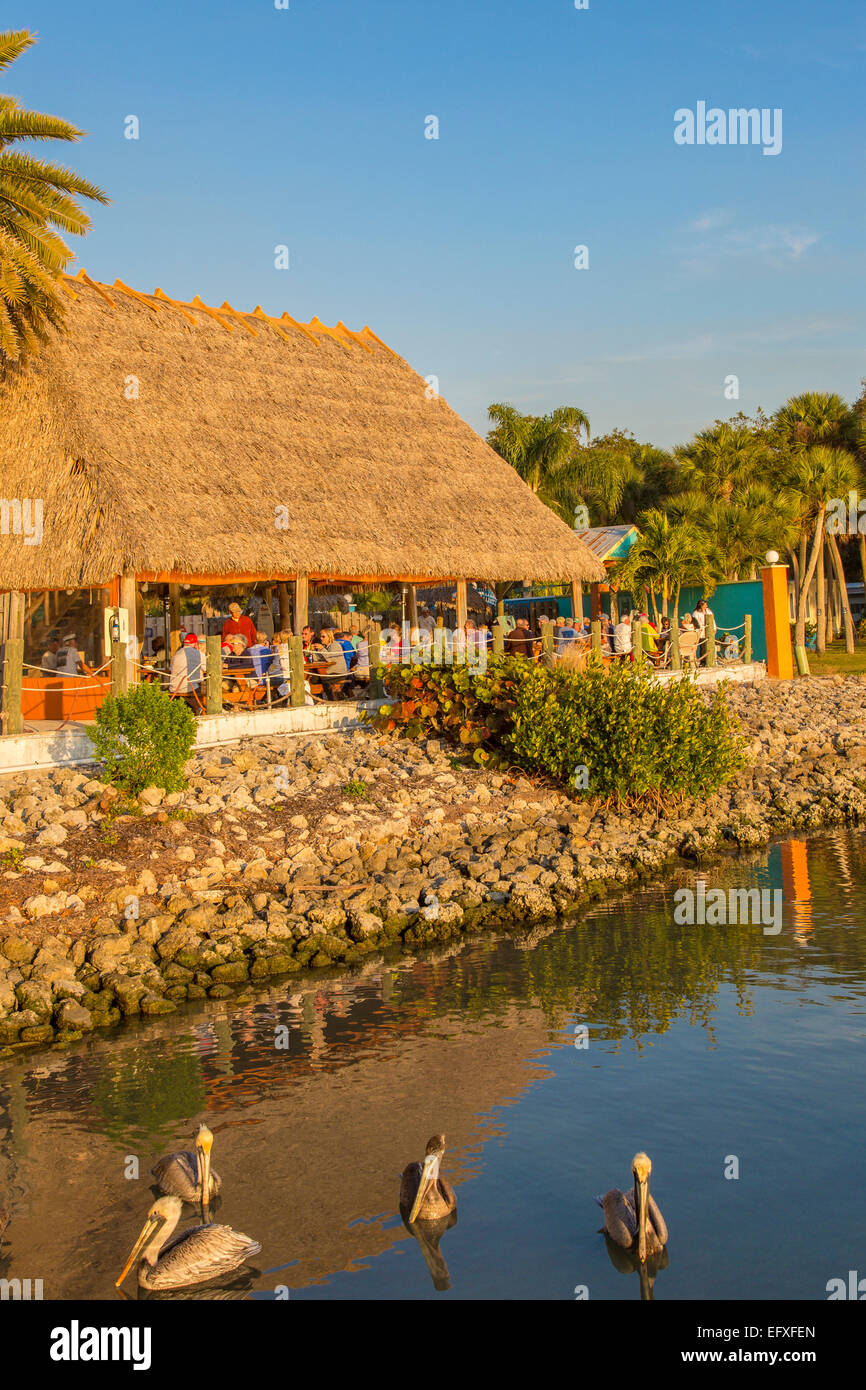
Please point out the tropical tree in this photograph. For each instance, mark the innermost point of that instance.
(38, 201)
(666, 556)
(538, 447)
(729, 455)
(817, 475)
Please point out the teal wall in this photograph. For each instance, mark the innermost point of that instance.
(729, 602)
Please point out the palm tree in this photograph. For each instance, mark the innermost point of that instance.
(538, 446)
(666, 556)
(38, 200)
(728, 455)
(817, 474)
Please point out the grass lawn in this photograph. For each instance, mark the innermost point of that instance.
(837, 662)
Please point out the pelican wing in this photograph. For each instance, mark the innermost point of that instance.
(658, 1221)
(409, 1180)
(199, 1254)
(620, 1222)
(177, 1176)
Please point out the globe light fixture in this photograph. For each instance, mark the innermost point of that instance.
(772, 557)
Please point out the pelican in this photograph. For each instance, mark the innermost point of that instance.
(427, 1196)
(633, 1220)
(196, 1255)
(188, 1175)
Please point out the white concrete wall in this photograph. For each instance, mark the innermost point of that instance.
(66, 747)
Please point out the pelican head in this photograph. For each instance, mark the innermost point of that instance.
(203, 1146)
(161, 1221)
(433, 1155)
(641, 1167)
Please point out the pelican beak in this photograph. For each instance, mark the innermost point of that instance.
(642, 1195)
(429, 1174)
(203, 1152)
(147, 1231)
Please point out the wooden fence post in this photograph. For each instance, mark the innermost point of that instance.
(376, 684)
(676, 663)
(214, 674)
(637, 642)
(13, 671)
(595, 636)
(547, 639)
(711, 640)
(747, 639)
(297, 693)
(119, 676)
(498, 639)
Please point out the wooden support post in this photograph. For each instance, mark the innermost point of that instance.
(285, 619)
(174, 618)
(302, 603)
(711, 640)
(577, 601)
(213, 674)
(595, 636)
(498, 639)
(13, 671)
(547, 640)
(676, 660)
(462, 604)
(747, 639)
(128, 600)
(297, 694)
(412, 606)
(637, 642)
(614, 605)
(500, 607)
(119, 681)
(17, 608)
(376, 690)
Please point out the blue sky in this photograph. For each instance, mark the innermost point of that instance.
(306, 127)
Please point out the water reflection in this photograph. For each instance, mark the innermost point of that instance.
(704, 1041)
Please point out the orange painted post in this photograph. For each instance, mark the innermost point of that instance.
(780, 659)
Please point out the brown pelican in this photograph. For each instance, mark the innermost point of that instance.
(633, 1220)
(188, 1175)
(196, 1255)
(426, 1195)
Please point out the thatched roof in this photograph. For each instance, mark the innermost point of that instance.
(163, 438)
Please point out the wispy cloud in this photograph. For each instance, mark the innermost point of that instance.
(712, 240)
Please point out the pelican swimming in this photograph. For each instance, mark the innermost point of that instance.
(188, 1175)
(196, 1255)
(425, 1194)
(633, 1219)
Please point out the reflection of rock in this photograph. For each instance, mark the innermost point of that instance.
(4, 1222)
(428, 1235)
(627, 1262)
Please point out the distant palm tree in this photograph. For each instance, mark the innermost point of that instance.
(817, 474)
(666, 557)
(727, 455)
(538, 447)
(38, 200)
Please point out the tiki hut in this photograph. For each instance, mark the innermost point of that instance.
(157, 442)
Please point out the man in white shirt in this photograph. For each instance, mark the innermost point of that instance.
(622, 641)
(49, 656)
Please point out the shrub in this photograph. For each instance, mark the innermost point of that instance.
(633, 739)
(143, 739)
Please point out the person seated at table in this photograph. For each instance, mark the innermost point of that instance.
(264, 658)
(345, 641)
(565, 635)
(334, 659)
(281, 670)
(237, 666)
(664, 641)
(186, 672)
(308, 636)
(520, 641)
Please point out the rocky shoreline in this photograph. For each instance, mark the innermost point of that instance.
(296, 853)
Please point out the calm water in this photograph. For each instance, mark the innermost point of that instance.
(706, 1044)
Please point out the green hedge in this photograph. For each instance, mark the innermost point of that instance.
(613, 735)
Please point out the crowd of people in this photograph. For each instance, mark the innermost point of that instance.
(255, 664)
